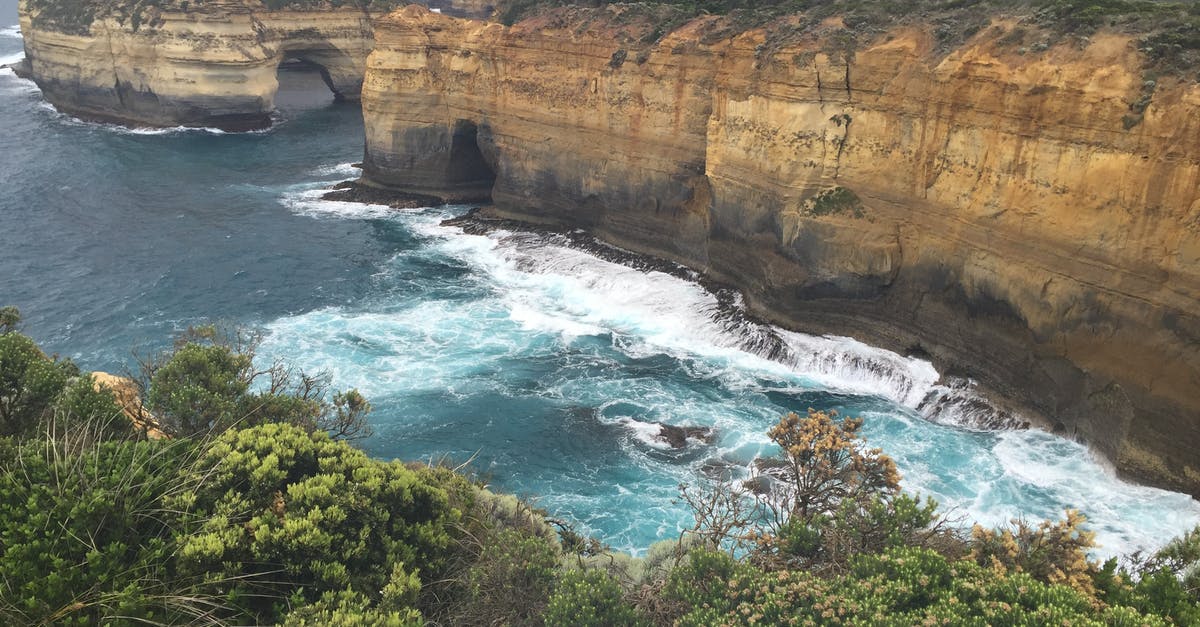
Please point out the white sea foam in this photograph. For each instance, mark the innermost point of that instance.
(13, 83)
(1125, 515)
(341, 170)
(168, 130)
(10, 59)
(646, 432)
(659, 313)
(120, 129)
(848, 364)
(13, 31)
(958, 402)
(308, 202)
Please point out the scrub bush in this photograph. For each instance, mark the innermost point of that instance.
(85, 536)
(210, 382)
(590, 598)
(281, 512)
(39, 393)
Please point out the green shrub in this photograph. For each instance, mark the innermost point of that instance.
(82, 405)
(510, 582)
(281, 510)
(85, 534)
(702, 579)
(209, 383)
(1053, 552)
(39, 393)
(903, 586)
(9, 318)
(837, 200)
(590, 598)
(1166, 584)
(30, 383)
(199, 389)
(350, 609)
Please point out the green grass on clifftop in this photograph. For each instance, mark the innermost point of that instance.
(76, 16)
(1167, 31)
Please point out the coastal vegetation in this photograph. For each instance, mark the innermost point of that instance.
(256, 508)
(1166, 31)
(77, 16)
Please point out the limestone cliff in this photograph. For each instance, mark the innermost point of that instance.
(193, 63)
(1010, 215)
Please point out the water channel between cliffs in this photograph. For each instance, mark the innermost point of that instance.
(550, 365)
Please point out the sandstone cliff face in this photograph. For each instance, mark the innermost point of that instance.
(986, 208)
(213, 64)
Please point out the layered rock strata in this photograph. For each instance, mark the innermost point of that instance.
(172, 62)
(1015, 217)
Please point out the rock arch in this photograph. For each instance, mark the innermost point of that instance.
(211, 66)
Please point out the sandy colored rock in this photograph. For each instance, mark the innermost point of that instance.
(212, 65)
(127, 397)
(1001, 213)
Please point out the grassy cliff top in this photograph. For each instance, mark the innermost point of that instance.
(77, 16)
(1166, 31)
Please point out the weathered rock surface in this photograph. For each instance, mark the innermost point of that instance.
(126, 393)
(193, 63)
(677, 437)
(1001, 213)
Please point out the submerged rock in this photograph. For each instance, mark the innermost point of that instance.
(353, 191)
(678, 437)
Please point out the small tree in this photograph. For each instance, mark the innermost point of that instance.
(209, 382)
(830, 498)
(723, 511)
(824, 465)
(9, 318)
(1053, 552)
(29, 383)
(43, 394)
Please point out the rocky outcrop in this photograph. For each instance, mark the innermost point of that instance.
(200, 63)
(1026, 220)
(678, 437)
(125, 391)
(213, 64)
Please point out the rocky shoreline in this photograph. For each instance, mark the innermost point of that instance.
(992, 211)
(973, 406)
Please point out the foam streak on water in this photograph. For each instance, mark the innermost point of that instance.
(556, 367)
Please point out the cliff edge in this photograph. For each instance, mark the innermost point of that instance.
(1031, 221)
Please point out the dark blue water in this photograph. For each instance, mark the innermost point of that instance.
(549, 367)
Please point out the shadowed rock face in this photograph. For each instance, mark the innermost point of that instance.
(201, 63)
(988, 209)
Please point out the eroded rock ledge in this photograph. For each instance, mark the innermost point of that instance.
(996, 211)
(209, 63)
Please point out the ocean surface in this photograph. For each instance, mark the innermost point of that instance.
(545, 365)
